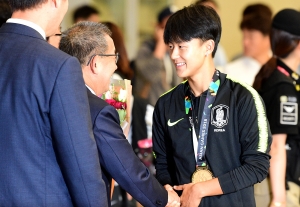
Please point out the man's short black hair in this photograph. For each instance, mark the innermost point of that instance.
(194, 21)
(5, 12)
(24, 4)
(84, 12)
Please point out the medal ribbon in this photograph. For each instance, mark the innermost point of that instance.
(204, 124)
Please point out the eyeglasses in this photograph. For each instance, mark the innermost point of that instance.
(105, 55)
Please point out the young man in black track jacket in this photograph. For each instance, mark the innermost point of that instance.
(211, 137)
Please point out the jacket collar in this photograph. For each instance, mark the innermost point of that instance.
(21, 30)
(222, 79)
(29, 24)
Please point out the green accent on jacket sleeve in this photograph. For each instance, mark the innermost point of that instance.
(261, 116)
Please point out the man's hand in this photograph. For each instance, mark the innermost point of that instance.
(173, 198)
(194, 192)
(190, 196)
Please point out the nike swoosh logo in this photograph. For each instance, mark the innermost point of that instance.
(173, 123)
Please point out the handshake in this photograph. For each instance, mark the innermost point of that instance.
(187, 199)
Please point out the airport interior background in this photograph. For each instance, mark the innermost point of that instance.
(137, 18)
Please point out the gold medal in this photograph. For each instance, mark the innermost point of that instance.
(201, 174)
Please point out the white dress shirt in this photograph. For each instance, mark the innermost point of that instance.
(29, 24)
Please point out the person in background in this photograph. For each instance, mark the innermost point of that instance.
(210, 133)
(5, 12)
(124, 69)
(86, 13)
(154, 71)
(48, 152)
(255, 26)
(220, 59)
(279, 85)
(91, 43)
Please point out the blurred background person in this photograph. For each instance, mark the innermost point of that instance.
(124, 69)
(220, 58)
(86, 13)
(255, 26)
(154, 72)
(279, 86)
(5, 12)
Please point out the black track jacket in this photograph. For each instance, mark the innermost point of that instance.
(237, 148)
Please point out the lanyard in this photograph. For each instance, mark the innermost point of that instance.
(203, 132)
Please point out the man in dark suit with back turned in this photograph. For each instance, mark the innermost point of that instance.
(91, 43)
(48, 155)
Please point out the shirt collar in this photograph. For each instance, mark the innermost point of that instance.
(93, 92)
(29, 24)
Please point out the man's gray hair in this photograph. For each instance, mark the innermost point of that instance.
(84, 39)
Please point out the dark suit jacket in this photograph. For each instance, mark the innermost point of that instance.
(48, 156)
(118, 161)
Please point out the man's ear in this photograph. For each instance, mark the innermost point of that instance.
(210, 46)
(57, 3)
(93, 65)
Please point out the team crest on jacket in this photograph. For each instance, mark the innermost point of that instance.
(219, 115)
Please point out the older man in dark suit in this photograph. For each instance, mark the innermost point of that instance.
(91, 43)
(48, 155)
